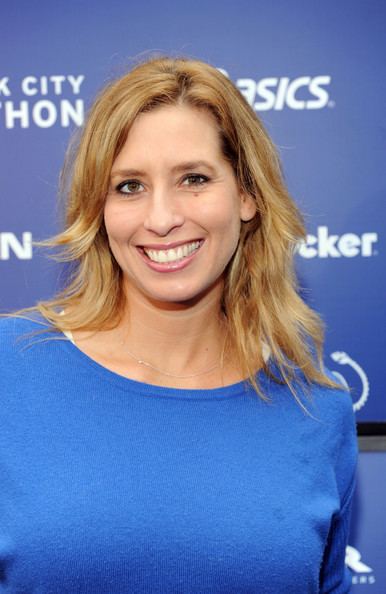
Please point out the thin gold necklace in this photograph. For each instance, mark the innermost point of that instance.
(147, 364)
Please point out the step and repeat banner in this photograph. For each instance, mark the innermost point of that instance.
(314, 73)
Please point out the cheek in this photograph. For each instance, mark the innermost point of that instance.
(226, 221)
(108, 217)
(116, 224)
(117, 235)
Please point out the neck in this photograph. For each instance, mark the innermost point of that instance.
(178, 338)
(183, 340)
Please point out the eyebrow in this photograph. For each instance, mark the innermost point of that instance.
(176, 169)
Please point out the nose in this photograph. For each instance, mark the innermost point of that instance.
(163, 213)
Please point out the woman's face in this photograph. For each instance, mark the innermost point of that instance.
(173, 211)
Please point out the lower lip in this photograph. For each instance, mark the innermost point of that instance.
(169, 266)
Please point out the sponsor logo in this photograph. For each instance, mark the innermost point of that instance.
(362, 573)
(44, 103)
(13, 246)
(327, 245)
(277, 93)
(343, 358)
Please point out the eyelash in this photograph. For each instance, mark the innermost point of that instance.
(120, 186)
(196, 175)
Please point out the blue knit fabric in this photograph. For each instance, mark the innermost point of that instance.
(109, 485)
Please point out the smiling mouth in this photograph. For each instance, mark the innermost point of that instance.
(174, 254)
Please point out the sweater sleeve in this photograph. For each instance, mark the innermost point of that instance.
(335, 576)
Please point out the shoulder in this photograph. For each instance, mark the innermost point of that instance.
(17, 325)
(334, 404)
(330, 408)
(17, 332)
(328, 405)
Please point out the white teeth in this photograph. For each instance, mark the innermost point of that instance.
(172, 255)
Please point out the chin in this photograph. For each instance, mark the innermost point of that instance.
(185, 297)
(167, 302)
(182, 294)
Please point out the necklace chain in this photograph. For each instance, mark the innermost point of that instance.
(147, 364)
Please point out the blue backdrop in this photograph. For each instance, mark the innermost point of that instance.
(314, 72)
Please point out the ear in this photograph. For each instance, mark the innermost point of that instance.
(248, 207)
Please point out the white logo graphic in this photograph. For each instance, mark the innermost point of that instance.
(348, 245)
(43, 113)
(353, 562)
(303, 92)
(9, 243)
(343, 359)
(58, 104)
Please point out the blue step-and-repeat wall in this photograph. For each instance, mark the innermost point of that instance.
(315, 74)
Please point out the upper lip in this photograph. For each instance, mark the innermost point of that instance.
(167, 246)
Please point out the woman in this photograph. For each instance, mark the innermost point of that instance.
(173, 428)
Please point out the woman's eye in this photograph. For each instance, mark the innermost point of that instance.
(196, 179)
(129, 187)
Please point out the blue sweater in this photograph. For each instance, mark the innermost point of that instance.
(112, 486)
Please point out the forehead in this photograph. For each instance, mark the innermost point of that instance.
(167, 131)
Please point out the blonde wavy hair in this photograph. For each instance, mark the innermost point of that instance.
(261, 301)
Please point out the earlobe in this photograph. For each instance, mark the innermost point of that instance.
(248, 208)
